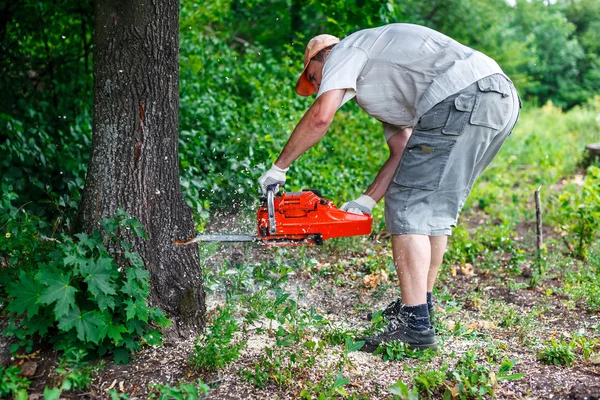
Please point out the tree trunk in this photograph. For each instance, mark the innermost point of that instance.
(134, 162)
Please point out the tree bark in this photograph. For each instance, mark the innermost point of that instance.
(134, 162)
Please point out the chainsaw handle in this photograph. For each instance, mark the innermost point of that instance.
(271, 190)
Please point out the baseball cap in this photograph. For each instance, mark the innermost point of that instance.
(315, 45)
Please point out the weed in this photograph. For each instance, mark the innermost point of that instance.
(396, 350)
(582, 281)
(12, 384)
(187, 391)
(329, 387)
(75, 373)
(579, 213)
(557, 353)
(283, 366)
(336, 335)
(217, 348)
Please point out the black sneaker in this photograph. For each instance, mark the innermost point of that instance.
(398, 330)
(392, 309)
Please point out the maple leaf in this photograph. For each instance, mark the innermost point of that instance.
(98, 275)
(25, 292)
(58, 291)
(138, 309)
(86, 324)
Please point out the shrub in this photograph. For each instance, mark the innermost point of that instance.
(87, 292)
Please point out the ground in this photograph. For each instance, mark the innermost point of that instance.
(484, 310)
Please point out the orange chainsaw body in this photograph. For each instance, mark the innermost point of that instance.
(305, 218)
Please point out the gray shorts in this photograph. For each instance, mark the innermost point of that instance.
(449, 148)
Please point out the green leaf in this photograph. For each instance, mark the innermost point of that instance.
(58, 291)
(38, 324)
(122, 355)
(512, 377)
(138, 309)
(86, 324)
(114, 332)
(25, 292)
(85, 243)
(98, 275)
(51, 393)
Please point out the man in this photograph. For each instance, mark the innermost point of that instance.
(446, 110)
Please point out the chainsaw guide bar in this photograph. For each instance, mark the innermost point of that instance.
(296, 219)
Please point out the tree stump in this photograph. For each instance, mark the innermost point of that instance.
(592, 153)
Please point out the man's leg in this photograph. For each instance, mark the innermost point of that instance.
(409, 323)
(438, 248)
(412, 258)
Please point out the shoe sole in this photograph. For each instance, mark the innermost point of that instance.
(433, 346)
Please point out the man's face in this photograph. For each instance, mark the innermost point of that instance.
(314, 73)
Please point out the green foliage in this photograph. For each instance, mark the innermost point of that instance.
(75, 373)
(217, 348)
(582, 281)
(397, 351)
(329, 387)
(85, 292)
(579, 213)
(557, 353)
(283, 366)
(182, 391)
(12, 383)
(467, 380)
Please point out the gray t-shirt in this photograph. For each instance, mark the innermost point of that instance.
(398, 72)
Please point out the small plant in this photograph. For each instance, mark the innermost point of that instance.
(401, 390)
(75, 373)
(217, 348)
(282, 366)
(557, 353)
(429, 382)
(396, 350)
(12, 384)
(329, 387)
(187, 391)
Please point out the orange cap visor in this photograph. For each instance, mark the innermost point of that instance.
(314, 46)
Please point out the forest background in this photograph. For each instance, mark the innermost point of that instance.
(239, 62)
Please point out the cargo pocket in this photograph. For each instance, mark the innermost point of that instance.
(436, 117)
(424, 161)
(458, 117)
(493, 103)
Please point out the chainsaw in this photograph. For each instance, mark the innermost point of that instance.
(295, 219)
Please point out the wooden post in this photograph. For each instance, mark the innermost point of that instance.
(538, 215)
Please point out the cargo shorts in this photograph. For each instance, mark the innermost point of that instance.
(448, 150)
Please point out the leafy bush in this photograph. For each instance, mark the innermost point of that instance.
(217, 348)
(87, 292)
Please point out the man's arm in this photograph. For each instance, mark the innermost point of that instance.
(396, 143)
(311, 128)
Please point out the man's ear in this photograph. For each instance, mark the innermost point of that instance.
(327, 53)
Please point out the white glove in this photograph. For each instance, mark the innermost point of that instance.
(273, 176)
(363, 205)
